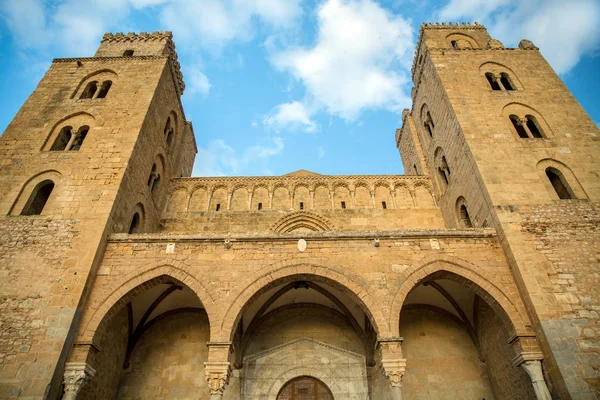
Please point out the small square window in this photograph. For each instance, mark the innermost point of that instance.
(128, 53)
(343, 204)
(301, 205)
(218, 207)
(259, 206)
(383, 205)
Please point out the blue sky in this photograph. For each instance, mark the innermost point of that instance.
(274, 86)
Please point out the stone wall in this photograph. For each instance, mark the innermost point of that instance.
(442, 361)
(168, 361)
(509, 382)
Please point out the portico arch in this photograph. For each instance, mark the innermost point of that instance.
(486, 286)
(270, 276)
(135, 282)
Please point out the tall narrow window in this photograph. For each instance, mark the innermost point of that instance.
(518, 125)
(79, 138)
(104, 89)
(506, 82)
(343, 204)
(454, 44)
(383, 205)
(89, 90)
(428, 128)
(301, 205)
(135, 224)
(493, 81)
(558, 181)
(443, 177)
(430, 120)
(218, 208)
(415, 168)
(38, 199)
(465, 219)
(63, 139)
(168, 133)
(259, 206)
(533, 126)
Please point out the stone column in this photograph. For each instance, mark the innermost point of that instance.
(394, 371)
(373, 199)
(532, 364)
(217, 375)
(76, 375)
(393, 364)
(312, 199)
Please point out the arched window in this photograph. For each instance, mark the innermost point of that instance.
(428, 128)
(533, 126)
(134, 226)
(305, 387)
(430, 120)
(104, 89)
(454, 44)
(558, 181)
(79, 138)
(518, 125)
(89, 90)
(506, 81)
(152, 177)
(493, 81)
(128, 53)
(63, 139)
(38, 199)
(168, 133)
(465, 219)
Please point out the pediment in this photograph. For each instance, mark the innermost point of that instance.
(315, 347)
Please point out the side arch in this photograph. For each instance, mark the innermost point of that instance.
(341, 278)
(133, 283)
(466, 273)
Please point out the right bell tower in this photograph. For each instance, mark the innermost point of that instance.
(509, 147)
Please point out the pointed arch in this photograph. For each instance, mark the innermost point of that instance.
(339, 277)
(128, 286)
(506, 304)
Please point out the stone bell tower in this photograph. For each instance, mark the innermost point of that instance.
(89, 153)
(509, 147)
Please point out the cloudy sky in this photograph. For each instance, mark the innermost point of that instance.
(278, 85)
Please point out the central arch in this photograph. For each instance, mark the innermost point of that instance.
(341, 278)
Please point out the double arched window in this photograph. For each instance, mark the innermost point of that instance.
(527, 127)
(442, 168)
(501, 82)
(92, 91)
(70, 139)
(428, 124)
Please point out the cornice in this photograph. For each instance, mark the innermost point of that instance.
(221, 237)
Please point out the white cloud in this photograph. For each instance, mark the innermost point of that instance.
(321, 153)
(290, 116)
(563, 30)
(196, 81)
(359, 61)
(221, 159)
(214, 23)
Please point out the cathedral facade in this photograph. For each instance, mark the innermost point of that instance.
(473, 276)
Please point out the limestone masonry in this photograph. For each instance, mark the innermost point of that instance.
(474, 276)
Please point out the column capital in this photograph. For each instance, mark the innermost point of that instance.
(532, 364)
(217, 375)
(394, 370)
(75, 376)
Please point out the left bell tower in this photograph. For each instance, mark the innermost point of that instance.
(89, 153)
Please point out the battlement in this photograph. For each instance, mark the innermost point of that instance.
(452, 25)
(132, 44)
